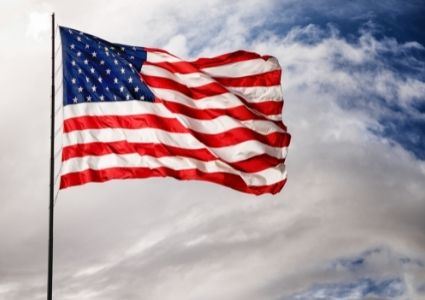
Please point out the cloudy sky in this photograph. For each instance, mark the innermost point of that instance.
(349, 224)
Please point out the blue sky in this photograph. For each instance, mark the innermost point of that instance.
(349, 224)
(395, 20)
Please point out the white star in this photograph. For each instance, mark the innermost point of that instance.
(115, 80)
(87, 79)
(78, 53)
(142, 97)
(108, 71)
(134, 48)
(80, 89)
(70, 31)
(127, 97)
(102, 62)
(136, 89)
(122, 71)
(88, 98)
(86, 62)
(72, 46)
(94, 54)
(75, 100)
(74, 81)
(107, 53)
(92, 70)
(78, 39)
(115, 97)
(132, 57)
(115, 61)
(80, 71)
(122, 89)
(130, 80)
(93, 88)
(107, 88)
(87, 46)
(106, 49)
(102, 97)
(99, 79)
(73, 63)
(122, 48)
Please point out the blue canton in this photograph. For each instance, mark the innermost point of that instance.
(95, 70)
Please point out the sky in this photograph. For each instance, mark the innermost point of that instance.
(350, 222)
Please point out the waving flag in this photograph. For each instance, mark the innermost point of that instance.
(136, 112)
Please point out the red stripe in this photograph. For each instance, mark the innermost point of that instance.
(219, 60)
(182, 67)
(265, 107)
(241, 113)
(270, 78)
(149, 49)
(247, 111)
(268, 108)
(127, 122)
(253, 164)
(124, 147)
(226, 138)
(211, 89)
(229, 180)
(196, 93)
(227, 58)
(264, 79)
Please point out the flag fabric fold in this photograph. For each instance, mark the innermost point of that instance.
(137, 112)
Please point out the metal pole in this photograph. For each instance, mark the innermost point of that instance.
(52, 170)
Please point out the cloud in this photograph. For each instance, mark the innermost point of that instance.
(38, 24)
(361, 289)
(352, 184)
(360, 76)
(377, 273)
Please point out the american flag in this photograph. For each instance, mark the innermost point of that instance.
(137, 112)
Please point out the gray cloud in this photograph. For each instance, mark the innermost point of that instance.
(348, 189)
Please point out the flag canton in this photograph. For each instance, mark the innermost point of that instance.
(95, 70)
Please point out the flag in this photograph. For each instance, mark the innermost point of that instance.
(137, 112)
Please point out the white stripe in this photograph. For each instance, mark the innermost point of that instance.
(244, 68)
(277, 117)
(224, 123)
(191, 80)
(265, 177)
(158, 57)
(223, 101)
(195, 79)
(126, 108)
(259, 93)
(119, 108)
(234, 153)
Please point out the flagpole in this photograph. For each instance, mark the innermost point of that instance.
(52, 170)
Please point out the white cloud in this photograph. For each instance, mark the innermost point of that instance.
(348, 189)
(177, 44)
(38, 24)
